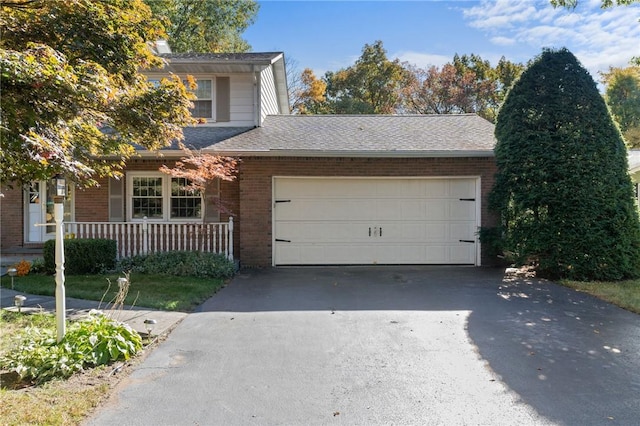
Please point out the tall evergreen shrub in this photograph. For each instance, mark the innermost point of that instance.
(562, 188)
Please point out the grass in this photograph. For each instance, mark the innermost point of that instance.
(625, 294)
(71, 401)
(162, 292)
(59, 402)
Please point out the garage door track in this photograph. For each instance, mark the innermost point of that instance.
(389, 345)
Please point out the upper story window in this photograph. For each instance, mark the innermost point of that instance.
(213, 98)
(203, 105)
(161, 197)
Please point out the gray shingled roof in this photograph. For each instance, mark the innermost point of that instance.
(197, 138)
(380, 135)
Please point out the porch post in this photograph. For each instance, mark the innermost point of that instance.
(58, 214)
(230, 239)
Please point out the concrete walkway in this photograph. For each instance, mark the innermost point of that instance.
(76, 308)
(389, 345)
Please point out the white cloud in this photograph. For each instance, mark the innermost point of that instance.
(422, 60)
(503, 41)
(600, 38)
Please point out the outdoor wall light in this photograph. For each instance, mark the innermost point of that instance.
(12, 273)
(18, 300)
(61, 185)
(149, 324)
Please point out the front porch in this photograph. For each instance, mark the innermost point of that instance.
(136, 238)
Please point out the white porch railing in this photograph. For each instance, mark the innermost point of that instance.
(134, 238)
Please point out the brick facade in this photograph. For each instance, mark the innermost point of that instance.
(249, 197)
(256, 175)
(11, 217)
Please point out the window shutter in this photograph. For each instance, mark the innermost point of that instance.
(211, 195)
(223, 99)
(116, 200)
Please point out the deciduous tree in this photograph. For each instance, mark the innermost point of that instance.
(605, 3)
(562, 188)
(72, 92)
(623, 97)
(201, 170)
(371, 86)
(467, 85)
(444, 91)
(308, 94)
(206, 25)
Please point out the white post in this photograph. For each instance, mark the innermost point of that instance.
(145, 235)
(58, 214)
(230, 240)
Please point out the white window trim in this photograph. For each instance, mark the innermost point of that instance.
(197, 77)
(166, 199)
(214, 91)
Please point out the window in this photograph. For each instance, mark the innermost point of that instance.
(184, 204)
(203, 106)
(161, 197)
(146, 198)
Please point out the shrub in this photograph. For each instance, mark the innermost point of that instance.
(180, 263)
(37, 265)
(82, 256)
(93, 341)
(563, 189)
(22, 268)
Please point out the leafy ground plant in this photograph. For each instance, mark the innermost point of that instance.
(58, 401)
(180, 263)
(92, 341)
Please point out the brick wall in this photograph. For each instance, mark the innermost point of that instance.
(248, 198)
(256, 174)
(11, 217)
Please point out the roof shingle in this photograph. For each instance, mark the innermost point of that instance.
(455, 134)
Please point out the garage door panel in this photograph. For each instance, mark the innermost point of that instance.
(461, 231)
(462, 210)
(377, 220)
(462, 188)
(323, 232)
(325, 209)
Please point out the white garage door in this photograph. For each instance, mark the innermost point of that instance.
(333, 221)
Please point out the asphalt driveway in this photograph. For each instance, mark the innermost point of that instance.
(390, 345)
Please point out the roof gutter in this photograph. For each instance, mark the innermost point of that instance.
(352, 154)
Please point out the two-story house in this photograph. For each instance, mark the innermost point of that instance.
(360, 189)
(235, 92)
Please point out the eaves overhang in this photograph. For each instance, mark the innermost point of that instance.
(352, 153)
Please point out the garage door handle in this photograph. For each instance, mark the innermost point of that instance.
(381, 231)
(467, 241)
(282, 241)
(467, 199)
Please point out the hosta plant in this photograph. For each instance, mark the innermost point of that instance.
(90, 342)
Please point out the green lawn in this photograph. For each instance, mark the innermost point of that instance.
(162, 292)
(625, 294)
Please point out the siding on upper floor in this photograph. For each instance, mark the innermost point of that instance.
(242, 100)
(268, 97)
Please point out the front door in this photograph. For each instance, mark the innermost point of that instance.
(39, 210)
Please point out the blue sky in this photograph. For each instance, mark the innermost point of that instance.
(329, 35)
